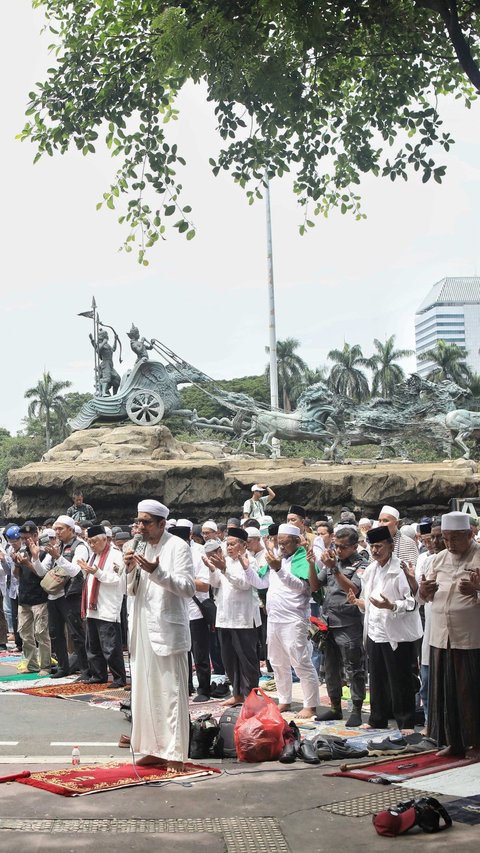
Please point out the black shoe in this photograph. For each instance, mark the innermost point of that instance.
(83, 679)
(292, 744)
(115, 685)
(386, 747)
(308, 753)
(220, 691)
(326, 714)
(59, 674)
(322, 747)
(289, 753)
(3, 647)
(344, 750)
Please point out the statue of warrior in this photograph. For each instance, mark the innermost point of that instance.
(137, 344)
(109, 379)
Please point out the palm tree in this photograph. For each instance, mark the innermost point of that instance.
(387, 374)
(449, 361)
(46, 400)
(291, 369)
(345, 376)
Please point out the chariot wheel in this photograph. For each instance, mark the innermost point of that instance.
(145, 408)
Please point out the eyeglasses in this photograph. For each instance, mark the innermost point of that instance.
(144, 521)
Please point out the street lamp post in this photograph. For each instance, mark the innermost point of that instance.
(271, 317)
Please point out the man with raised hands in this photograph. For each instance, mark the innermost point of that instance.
(160, 581)
(288, 610)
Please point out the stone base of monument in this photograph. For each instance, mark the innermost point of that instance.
(117, 466)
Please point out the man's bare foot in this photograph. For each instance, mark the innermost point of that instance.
(405, 732)
(234, 700)
(285, 706)
(449, 751)
(155, 761)
(147, 760)
(306, 713)
(424, 732)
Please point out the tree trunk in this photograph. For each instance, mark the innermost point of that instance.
(48, 439)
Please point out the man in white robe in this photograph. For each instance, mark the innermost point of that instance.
(160, 579)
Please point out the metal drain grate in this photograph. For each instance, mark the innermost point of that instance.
(240, 834)
(375, 802)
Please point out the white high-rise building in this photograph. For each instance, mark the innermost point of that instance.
(451, 312)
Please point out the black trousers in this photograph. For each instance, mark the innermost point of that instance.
(200, 635)
(14, 606)
(104, 650)
(392, 687)
(344, 651)
(240, 658)
(65, 611)
(215, 653)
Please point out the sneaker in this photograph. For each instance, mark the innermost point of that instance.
(387, 747)
(200, 697)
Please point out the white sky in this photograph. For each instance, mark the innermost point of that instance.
(207, 299)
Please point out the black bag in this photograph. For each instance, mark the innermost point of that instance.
(224, 746)
(208, 609)
(203, 732)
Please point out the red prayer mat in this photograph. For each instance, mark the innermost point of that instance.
(70, 689)
(94, 778)
(403, 767)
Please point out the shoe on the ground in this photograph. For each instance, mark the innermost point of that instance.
(307, 752)
(201, 697)
(124, 742)
(115, 685)
(82, 679)
(345, 750)
(220, 691)
(22, 666)
(3, 647)
(327, 714)
(269, 685)
(95, 681)
(292, 744)
(386, 747)
(322, 747)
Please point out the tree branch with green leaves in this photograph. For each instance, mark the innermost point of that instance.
(326, 91)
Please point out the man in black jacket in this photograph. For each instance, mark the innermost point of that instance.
(344, 647)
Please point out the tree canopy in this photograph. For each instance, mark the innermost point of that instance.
(328, 90)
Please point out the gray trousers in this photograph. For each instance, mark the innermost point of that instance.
(344, 650)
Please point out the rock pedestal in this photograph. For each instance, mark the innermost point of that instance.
(115, 467)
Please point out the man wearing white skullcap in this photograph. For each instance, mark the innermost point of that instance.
(160, 580)
(288, 610)
(64, 605)
(452, 584)
(403, 547)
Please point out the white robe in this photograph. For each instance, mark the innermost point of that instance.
(159, 642)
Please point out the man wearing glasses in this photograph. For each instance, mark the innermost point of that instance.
(344, 650)
(160, 581)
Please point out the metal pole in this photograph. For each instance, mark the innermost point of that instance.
(271, 317)
(95, 341)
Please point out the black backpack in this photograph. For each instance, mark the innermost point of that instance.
(224, 746)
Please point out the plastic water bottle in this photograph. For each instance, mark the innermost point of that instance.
(75, 755)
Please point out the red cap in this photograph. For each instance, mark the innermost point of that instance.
(390, 824)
